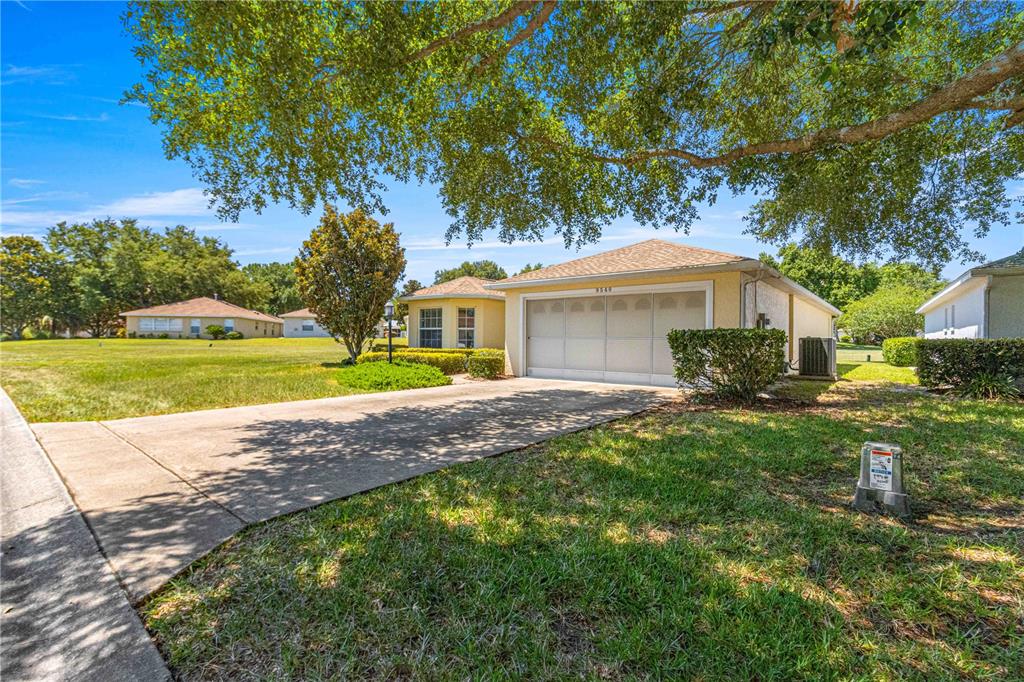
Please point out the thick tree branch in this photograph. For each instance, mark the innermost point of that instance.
(517, 10)
(958, 95)
(538, 20)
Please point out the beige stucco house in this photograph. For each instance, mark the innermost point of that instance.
(986, 302)
(605, 317)
(302, 324)
(456, 314)
(189, 319)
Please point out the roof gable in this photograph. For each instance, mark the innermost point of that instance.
(652, 254)
(202, 307)
(465, 286)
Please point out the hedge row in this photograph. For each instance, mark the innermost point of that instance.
(900, 351)
(486, 366)
(957, 362)
(449, 363)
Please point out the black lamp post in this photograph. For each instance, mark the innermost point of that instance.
(389, 310)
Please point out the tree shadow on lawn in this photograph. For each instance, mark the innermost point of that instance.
(694, 545)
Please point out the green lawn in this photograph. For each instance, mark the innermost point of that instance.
(852, 352)
(687, 543)
(80, 379)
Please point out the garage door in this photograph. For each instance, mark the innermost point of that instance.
(615, 338)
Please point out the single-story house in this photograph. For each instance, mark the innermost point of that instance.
(460, 313)
(605, 317)
(189, 319)
(986, 302)
(302, 324)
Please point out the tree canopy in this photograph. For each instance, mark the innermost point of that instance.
(484, 269)
(841, 282)
(865, 128)
(26, 268)
(279, 280)
(887, 313)
(347, 271)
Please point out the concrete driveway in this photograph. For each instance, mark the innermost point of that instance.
(160, 492)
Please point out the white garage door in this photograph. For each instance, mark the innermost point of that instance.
(617, 338)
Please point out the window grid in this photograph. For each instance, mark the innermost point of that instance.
(467, 328)
(430, 328)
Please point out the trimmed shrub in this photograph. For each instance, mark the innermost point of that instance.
(900, 351)
(381, 376)
(731, 364)
(234, 336)
(216, 331)
(486, 366)
(956, 362)
(383, 347)
(163, 335)
(449, 363)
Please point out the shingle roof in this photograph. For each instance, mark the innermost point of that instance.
(653, 254)
(462, 287)
(304, 312)
(202, 307)
(1011, 262)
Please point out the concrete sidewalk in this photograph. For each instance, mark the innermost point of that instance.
(64, 615)
(159, 492)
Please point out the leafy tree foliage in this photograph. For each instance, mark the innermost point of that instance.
(25, 292)
(865, 127)
(410, 287)
(887, 313)
(347, 271)
(485, 269)
(530, 267)
(103, 268)
(279, 280)
(840, 282)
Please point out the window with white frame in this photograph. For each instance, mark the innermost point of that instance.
(229, 324)
(430, 328)
(194, 326)
(307, 325)
(467, 328)
(160, 324)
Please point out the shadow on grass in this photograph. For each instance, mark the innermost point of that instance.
(705, 544)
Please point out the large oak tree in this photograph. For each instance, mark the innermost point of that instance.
(866, 128)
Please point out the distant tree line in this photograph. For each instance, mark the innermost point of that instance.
(878, 301)
(81, 276)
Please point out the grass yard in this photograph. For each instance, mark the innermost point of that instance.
(82, 379)
(687, 543)
(852, 352)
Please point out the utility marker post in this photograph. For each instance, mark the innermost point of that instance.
(880, 487)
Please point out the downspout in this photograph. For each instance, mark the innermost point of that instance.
(985, 308)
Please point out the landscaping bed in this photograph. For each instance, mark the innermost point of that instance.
(691, 542)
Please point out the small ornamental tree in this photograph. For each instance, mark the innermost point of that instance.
(347, 271)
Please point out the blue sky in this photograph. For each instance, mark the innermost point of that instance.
(69, 151)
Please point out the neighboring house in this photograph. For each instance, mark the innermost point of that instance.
(605, 317)
(456, 314)
(189, 319)
(986, 302)
(381, 330)
(302, 324)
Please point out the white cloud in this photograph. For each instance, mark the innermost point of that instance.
(267, 252)
(179, 202)
(102, 118)
(24, 183)
(52, 74)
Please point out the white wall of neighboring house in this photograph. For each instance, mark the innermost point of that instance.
(297, 327)
(961, 315)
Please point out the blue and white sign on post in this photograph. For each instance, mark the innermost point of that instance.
(880, 487)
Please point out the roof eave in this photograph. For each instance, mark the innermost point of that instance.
(429, 297)
(745, 264)
(803, 291)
